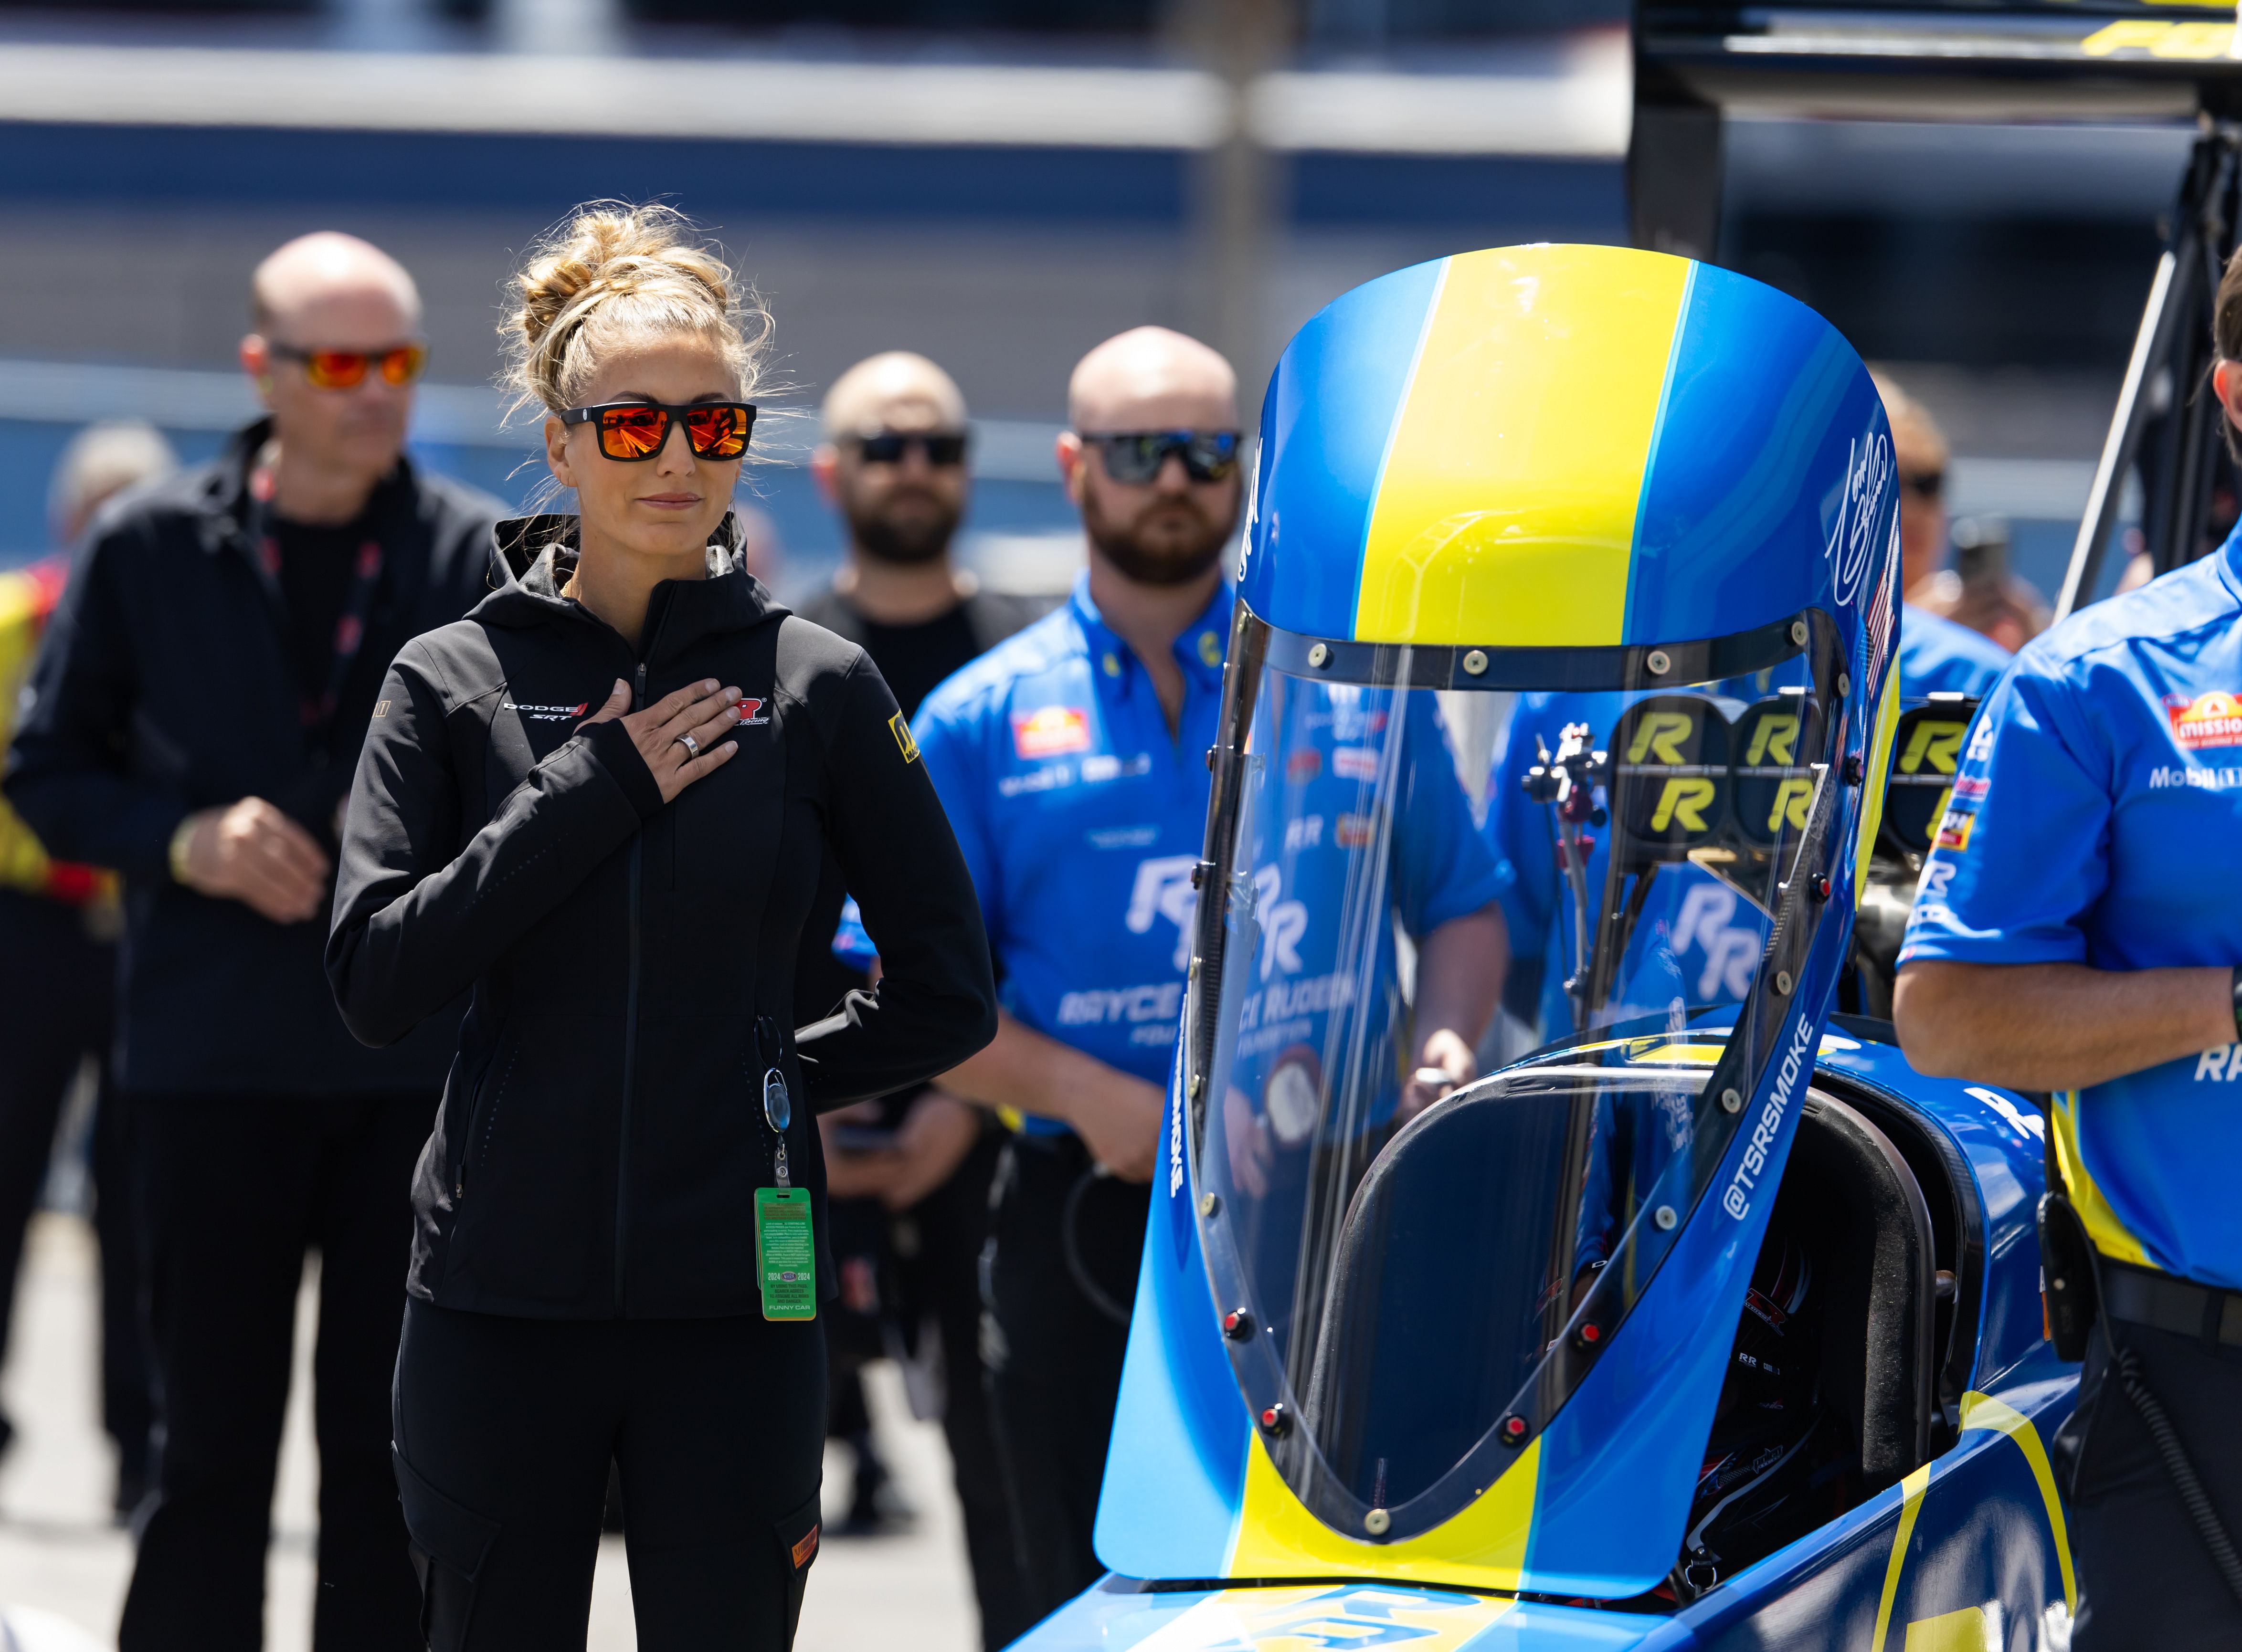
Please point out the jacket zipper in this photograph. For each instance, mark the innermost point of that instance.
(467, 1138)
(630, 1050)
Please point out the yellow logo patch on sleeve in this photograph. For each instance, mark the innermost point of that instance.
(900, 729)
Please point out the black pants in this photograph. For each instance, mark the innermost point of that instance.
(1062, 1279)
(233, 1192)
(2144, 1577)
(505, 1428)
(943, 1275)
(58, 1004)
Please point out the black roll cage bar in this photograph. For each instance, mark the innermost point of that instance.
(1981, 61)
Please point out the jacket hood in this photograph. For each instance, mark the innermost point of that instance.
(539, 554)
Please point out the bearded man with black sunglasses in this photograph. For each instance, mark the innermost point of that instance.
(193, 719)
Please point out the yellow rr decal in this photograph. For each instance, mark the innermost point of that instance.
(1684, 799)
(1659, 735)
(1940, 742)
(1790, 798)
(1773, 740)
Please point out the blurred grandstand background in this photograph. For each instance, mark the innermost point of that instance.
(999, 183)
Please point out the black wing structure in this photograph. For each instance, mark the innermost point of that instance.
(2028, 60)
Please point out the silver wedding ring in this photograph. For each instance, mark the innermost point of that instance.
(689, 743)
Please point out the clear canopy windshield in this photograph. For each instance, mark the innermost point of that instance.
(1416, 1271)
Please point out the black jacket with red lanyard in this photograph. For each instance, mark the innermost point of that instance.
(166, 683)
(632, 962)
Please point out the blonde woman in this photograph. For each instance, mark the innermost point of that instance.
(600, 802)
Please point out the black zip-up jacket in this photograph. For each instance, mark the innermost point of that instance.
(632, 962)
(167, 683)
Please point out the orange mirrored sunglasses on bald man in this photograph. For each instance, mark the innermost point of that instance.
(346, 369)
(631, 431)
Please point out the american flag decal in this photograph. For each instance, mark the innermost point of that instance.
(1880, 608)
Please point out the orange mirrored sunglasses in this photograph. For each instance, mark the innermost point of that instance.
(634, 431)
(347, 368)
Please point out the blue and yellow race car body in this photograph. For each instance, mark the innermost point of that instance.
(1586, 471)
(1967, 1553)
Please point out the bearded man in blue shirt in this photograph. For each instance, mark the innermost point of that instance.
(1071, 760)
(2076, 932)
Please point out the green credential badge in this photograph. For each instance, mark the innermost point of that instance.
(786, 1254)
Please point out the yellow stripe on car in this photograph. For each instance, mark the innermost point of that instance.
(1504, 515)
(1483, 1547)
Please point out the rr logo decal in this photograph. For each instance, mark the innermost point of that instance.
(1790, 800)
(1941, 743)
(1660, 734)
(1773, 742)
(1686, 800)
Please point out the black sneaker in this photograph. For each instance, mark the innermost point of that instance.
(877, 1505)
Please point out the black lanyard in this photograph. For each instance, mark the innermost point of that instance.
(318, 713)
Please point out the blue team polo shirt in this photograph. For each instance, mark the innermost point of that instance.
(2094, 820)
(1081, 818)
(1936, 656)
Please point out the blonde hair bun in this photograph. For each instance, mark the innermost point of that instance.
(613, 270)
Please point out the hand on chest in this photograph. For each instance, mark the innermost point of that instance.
(724, 822)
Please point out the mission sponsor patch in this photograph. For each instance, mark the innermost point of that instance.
(2210, 720)
(1051, 731)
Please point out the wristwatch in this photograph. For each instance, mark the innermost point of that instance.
(2235, 989)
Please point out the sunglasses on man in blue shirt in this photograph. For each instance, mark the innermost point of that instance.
(1135, 456)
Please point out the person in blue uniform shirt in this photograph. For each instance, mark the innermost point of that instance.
(1706, 938)
(2077, 931)
(1071, 760)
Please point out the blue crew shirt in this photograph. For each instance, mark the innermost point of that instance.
(1936, 656)
(1082, 817)
(2092, 821)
